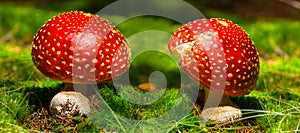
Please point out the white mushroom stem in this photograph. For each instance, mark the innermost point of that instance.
(225, 100)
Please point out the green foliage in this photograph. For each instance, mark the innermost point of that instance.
(22, 22)
(16, 64)
(273, 35)
(280, 75)
(153, 23)
(141, 68)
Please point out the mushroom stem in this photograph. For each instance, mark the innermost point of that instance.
(85, 89)
(67, 87)
(225, 100)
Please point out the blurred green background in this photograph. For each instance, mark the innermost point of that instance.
(274, 26)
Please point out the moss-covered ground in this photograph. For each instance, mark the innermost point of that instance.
(272, 107)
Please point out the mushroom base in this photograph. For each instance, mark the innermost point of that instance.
(70, 104)
(226, 110)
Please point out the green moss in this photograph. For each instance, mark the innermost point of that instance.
(274, 103)
(119, 110)
(13, 108)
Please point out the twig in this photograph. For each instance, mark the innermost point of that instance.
(280, 52)
(8, 37)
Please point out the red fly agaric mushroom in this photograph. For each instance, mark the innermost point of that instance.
(78, 47)
(218, 54)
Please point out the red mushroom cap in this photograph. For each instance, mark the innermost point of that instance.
(78, 47)
(217, 53)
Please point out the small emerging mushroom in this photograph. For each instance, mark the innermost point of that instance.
(80, 48)
(69, 103)
(220, 56)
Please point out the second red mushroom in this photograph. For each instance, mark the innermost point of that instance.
(218, 54)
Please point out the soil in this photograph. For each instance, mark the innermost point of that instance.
(266, 8)
(258, 8)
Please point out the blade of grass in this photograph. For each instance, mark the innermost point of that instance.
(112, 112)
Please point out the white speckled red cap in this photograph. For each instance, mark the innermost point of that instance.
(78, 47)
(215, 49)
